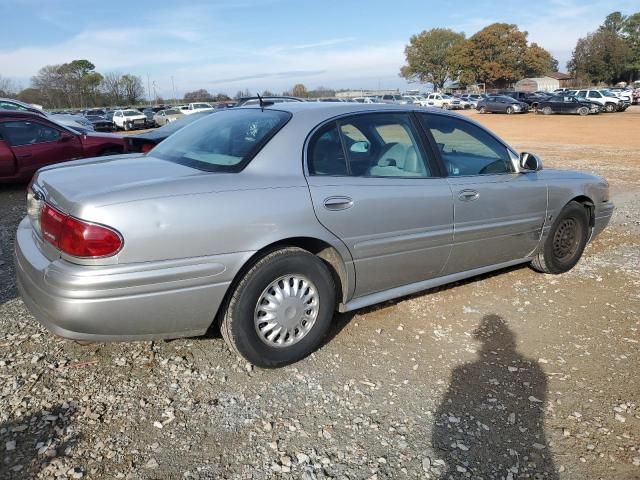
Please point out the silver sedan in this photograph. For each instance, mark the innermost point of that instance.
(266, 221)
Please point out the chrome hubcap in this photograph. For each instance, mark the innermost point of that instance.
(286, 311)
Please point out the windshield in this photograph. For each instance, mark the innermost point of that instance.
(223, 142)
(172, 111)
(201, 105)
(131, 113)
(607, 93)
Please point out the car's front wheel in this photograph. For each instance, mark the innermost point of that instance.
(583, 111)
(610, 107)
(483, 110)
(281, 308)
(509, 110)
(547, 110)
(565, 242)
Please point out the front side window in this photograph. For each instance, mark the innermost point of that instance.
(27, 133)
(372, 145)
(467, 149)
(595, 95)
(223, 142)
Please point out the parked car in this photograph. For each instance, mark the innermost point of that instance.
(100, 123)
(197, 107)
(567, 104)
(365, 100)
(531, 99)
(29, 141)
(11, 104)
(441, 100)
(71, 120)
(610, 104)
(222, 223)
(143, 142)
(501, 104)
(167, 116)
(625, 98)
(149, 113)
(129, 119)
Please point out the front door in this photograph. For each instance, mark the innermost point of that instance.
(36, 144)
(374, 184)
(498, 212)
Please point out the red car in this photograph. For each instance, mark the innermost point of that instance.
(29, 141)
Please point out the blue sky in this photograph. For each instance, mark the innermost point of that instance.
(227, 45)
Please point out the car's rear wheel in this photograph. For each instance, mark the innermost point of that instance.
(127, 126)
(280, 310)
(583, 111)
(547, 110)
(483, 110)
(445, 106)
(565, 243)
(509, 110)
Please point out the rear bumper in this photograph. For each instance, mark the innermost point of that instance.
(143, 301)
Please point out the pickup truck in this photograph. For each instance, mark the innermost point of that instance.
(196, 107)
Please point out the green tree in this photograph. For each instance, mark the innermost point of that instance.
(498, 55)
(602, 56)
(614, 23)
(631, 32)
(428, 56)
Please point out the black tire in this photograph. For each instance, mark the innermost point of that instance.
(565, 243)
(583, 111)
(238, 327)
(483, 110)
(509, 110)
(610, 107)
(547, 110)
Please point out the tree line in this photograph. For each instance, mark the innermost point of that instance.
(77, 84)
(500, 54)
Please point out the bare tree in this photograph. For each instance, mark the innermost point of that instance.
(112, 88)
(132, 88)
(8, 87)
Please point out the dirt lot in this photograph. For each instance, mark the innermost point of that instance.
(512, 375)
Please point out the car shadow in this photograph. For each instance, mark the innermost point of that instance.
(490, 422)
(33, 445)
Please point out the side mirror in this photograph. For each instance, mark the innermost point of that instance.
(360, 147)
(530, 162)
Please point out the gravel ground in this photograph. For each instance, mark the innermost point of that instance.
(510, 375)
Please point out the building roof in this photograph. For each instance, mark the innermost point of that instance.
(559, 75)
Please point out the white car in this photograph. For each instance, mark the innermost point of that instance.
(196, 107)
(129, 119)
(610, 103)
(440, 100)
(364, 100)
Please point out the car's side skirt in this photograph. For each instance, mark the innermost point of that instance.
(404, 290)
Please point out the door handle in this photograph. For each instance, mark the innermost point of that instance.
(468, 195)
(338, 203)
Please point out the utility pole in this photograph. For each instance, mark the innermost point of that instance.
(155, 95)
(173, 85)
(148, 89)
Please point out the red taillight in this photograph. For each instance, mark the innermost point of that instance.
(147, 147)
(78, 238)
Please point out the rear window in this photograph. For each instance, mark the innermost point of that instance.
(223, 142)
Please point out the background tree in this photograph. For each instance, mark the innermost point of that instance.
(631, 32)
(498, 55)
(8, 88)
(428, 56)
(299, 90)
(132, 89)
(243, 93)
(112, 88)
(602, 56)
(200, 95)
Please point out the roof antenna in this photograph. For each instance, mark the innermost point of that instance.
(261, 102)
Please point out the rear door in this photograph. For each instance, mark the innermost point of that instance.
(498, 212)
(7, 159)
(374, 184)
(36, 144)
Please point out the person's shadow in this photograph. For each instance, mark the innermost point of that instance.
(490, 423)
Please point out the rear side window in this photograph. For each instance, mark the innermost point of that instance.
(27, 133)
(467, 149)
(224, 141)
(371, 145)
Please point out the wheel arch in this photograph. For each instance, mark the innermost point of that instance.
(321, 248)
(587, 203)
